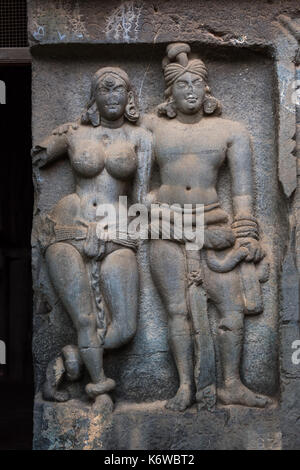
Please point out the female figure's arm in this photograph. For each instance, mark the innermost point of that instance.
(52, 147)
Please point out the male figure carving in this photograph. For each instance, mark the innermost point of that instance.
(191, 145)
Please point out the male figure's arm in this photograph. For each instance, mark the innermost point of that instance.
(245, 226)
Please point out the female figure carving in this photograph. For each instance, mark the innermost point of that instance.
(94, 274)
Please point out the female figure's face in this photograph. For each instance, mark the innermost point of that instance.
(111, 97)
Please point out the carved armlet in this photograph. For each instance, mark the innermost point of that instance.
(245, 227)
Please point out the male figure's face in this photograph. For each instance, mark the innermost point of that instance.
(188, 93)
(111, 97)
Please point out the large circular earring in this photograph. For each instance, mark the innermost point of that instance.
(131, 111)
(171, 109)
(94, 116)
(210, 104)
(91, 115)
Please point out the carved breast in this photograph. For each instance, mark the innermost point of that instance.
(88, 158)
(121, 160)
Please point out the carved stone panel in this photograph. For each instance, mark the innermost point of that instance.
(178, 119)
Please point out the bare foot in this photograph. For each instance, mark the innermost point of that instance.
(182, 399)
(103, 386)
(235, 393)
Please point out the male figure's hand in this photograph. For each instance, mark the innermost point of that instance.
(256, 253)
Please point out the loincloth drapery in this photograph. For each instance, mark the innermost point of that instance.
(92, 247)
(218, 243)
(212, 230)
(51, 232)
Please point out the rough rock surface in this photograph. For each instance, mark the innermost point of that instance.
(148, 426)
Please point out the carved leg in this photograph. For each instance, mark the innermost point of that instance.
(168, 269)
(73, 362)
(63, 261)
(225, 291)
(68, 364)
(119, 279)
(233, 392)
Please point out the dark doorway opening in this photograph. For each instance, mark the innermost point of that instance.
(16, 206)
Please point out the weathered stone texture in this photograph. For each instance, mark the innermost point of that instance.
(249, 50)
(151, 427)
(233, 23)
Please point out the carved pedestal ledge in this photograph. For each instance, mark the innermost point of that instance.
(149, 426)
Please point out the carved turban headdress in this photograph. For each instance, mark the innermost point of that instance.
(174, 70)
(175, 64)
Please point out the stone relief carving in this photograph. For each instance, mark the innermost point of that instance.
(95, 276)
(254, 71)
(191, 144)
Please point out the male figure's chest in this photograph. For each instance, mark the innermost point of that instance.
(190, 143)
